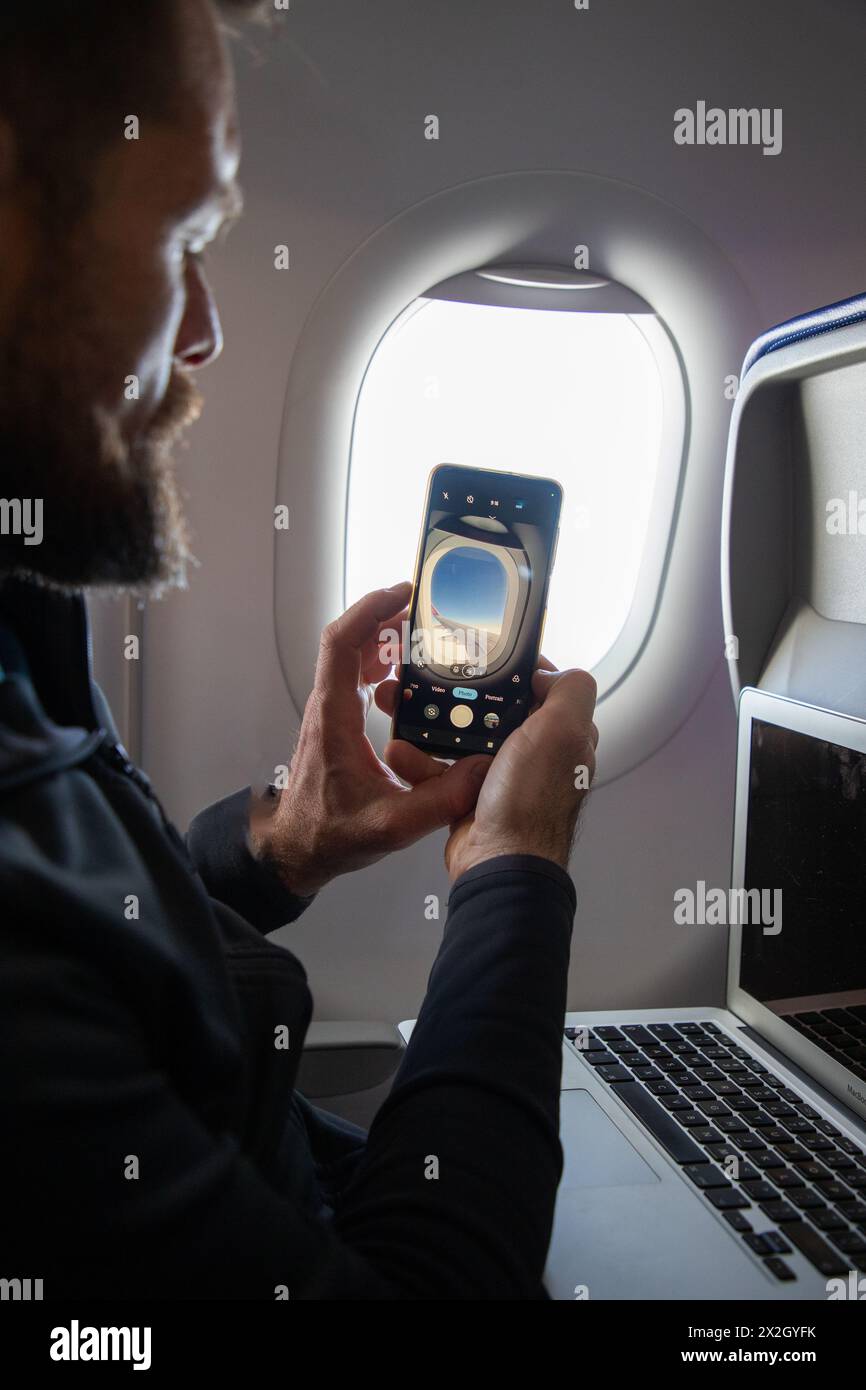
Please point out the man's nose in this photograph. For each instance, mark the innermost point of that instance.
(200, 339)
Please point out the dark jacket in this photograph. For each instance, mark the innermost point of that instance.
(152, 1141)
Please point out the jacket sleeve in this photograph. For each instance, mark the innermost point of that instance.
(121, 1185)
(218, 844)
(455, 1194)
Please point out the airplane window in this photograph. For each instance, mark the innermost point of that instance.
(572, 395)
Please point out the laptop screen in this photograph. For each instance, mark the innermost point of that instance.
(806, 856)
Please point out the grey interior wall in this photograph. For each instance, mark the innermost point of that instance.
(333, 121)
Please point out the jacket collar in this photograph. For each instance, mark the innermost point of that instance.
(53, 633)
(51, 714)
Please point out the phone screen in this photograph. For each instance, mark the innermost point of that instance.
(477, 609)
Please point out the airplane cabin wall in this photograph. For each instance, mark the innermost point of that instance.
(333, 121)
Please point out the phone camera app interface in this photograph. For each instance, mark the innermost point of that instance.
(478, 607)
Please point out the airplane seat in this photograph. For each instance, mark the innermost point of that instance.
(793, 574)
(350, 1066)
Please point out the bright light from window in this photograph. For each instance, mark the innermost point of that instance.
(572, 396)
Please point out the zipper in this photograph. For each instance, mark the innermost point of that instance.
(118, 758)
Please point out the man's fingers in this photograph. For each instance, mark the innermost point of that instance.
(340, 651)
(378, 655)
(386, 695)
(442, 798)
(411, 764)
(568, 696)
(545, 664)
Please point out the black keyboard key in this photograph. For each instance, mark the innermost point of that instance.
(849, 1243)
(835, 1191)
(720, 1149)
(778, 1267)
(660, 1124)
(827, 1220)
(662, 1088)
(647, 1073)
(759, 1244)
(841, 1017)
(826, 1128)
(816, 1143)
(767, 1158)
(793, 1152)
(778, 1108)
(664, 1031)
(739, 1135)
(726, 1198)
(742, 1104)
(786, 1178)
(613, 1074)
(815, 1248)
(730, 1124)
(779, 1244)
(690, 1118)
(811, 1169)
(638, 1034)
(738, 1220)
(761, 1190)
(774, 1135)
(710, 1074)
(802, 1128)
(704, 1134)
(705, 1175)
(807, 1111)
(600, 1059)
(780, 1212)
(687, 1028)
(838, 1162)
(714, 1108)
(696, 1091)
(804, 1198)
(607, 1032)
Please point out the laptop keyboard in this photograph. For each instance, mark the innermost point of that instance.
(839, 1032)
(795, 1182)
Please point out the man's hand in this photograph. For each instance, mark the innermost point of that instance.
(343, 808)
(530, 800)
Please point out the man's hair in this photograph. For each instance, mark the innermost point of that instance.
(71, 71)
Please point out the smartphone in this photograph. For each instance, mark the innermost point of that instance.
(476, 615)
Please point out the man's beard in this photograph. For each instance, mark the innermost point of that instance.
(111, 510)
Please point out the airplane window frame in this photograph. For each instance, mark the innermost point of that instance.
(533, 287)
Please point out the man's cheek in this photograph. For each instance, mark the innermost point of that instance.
(152, 361)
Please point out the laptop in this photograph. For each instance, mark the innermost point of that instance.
(721, 1153)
